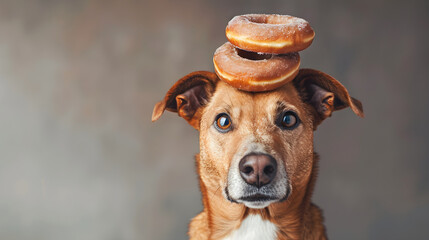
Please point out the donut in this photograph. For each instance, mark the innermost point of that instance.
(269, 33)
(254, 72)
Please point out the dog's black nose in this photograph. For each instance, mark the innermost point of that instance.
(258, 169)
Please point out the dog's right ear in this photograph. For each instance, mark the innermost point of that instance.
(187, 97)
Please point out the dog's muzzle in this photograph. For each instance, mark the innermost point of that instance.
(257, 182)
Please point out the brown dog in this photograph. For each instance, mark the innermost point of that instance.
(256, 166)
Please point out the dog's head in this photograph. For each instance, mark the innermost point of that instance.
(256, 147)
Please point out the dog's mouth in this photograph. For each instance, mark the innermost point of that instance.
(257, 200)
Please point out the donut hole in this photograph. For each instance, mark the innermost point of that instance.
(259, 20)
(272, 20)
(253, 55)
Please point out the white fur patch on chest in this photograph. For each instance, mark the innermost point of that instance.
(254, 227)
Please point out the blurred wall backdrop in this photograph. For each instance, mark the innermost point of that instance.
(80, 159)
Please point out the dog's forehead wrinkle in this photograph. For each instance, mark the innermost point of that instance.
(286, 98)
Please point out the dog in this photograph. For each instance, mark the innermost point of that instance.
(256, 166)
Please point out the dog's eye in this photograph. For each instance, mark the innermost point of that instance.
(288, 120)
(223, 123)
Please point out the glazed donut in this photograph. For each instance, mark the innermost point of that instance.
(269, 33)
(250, 71)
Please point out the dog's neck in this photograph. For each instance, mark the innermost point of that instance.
(289, 217)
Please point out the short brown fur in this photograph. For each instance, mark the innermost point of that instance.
(312, 95)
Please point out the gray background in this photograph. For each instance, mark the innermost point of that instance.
(80, 159)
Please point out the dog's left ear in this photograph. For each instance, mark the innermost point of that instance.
(187, 97)
(325, 94)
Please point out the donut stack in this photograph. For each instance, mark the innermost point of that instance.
(262, 52)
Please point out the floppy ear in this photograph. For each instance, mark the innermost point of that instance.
(187, 97)
(325, 94)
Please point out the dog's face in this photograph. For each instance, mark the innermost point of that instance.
(272, 126)
(256, 147)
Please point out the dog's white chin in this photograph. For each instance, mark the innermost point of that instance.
(258, 205)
